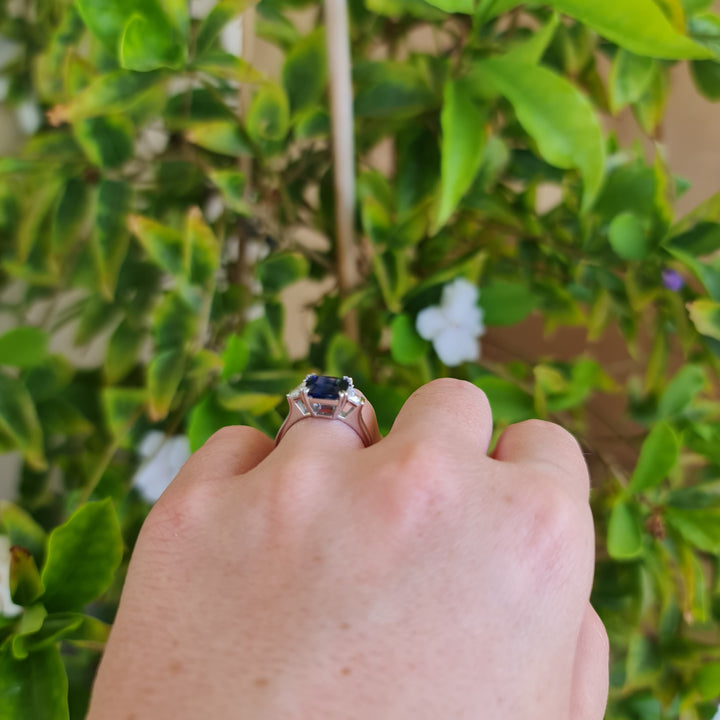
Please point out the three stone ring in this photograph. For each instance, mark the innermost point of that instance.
(331, 398)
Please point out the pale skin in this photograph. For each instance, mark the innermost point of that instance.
(417, 578)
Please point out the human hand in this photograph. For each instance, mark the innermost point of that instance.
(417, 578)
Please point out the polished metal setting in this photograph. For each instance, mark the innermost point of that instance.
(329, 398)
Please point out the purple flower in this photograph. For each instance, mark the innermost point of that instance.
(672, 280)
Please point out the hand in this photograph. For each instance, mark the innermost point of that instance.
(417, 578)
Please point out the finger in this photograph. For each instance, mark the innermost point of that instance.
(539, 443)
(231, 451)
(325, 435)
(451, 411)
(591, 673)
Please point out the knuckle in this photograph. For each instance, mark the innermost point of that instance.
(555, 533)
(415, 483)
(231, 435)
(181, 514)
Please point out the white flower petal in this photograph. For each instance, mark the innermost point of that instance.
(460, 293)
(150, 445)
(29, 117)
(9, 51)
(455, 346)
(430, 322)
(7, 607)
(156, 473)
(214, 207)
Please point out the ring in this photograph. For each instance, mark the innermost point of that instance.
(331, 398)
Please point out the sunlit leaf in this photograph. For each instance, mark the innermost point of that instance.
(463, 141)
(82, 557)
(556, 115)
(658, 456)
(19, 421)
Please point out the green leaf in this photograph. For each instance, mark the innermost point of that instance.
(506, 303)
(123, 351)
(80, 630)
(226, 66)
(83, 555)
(216, 19)
(150, 41)
(204, 249)
(391, 89)
(164, 375)
(110, 94)
(406, 346)
(110, 238)
(19, 421)
(174, 322)
(454, 6)
(705, 30)
(22, 530)
(305, 72)
(509, 403)
(628, 237)
(707, 681)
(556, 115)
(122, 408)
(706, 75)
(705, 315)
(255, 403)
(206, 418)
(231, 184)
(25, 583)
(71, 214)
(345, 357)
(701, 528)
(532, 50)
(625, 533)
(107, 141)
(630, 77)
(636, 25)
(30, 622)
(311, 123)
(463, 142)
(268, 117)
(681, 390)
(281, 270)
(23, 347)
(658, 457)
(650, 108)
(490, 9)
(235, 357)
(34, 688)
(224, 137)
(165, 246)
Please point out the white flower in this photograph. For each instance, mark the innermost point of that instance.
(9, 51)
(162, 459)
(7, 607)
(29, 116)
(214, 207)
(455, 325)
(152, 141)
(716, 716)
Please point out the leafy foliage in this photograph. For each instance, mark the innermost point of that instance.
(155, 216)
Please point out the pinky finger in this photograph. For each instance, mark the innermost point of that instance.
(591, 672)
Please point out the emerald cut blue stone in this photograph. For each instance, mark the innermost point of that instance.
(324, 387)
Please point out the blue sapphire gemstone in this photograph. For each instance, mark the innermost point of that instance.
(324, 387)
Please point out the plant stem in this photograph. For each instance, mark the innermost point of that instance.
(338, 45)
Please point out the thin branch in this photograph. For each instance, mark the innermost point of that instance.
(341, 100)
